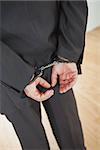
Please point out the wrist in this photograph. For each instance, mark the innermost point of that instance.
(61, 59)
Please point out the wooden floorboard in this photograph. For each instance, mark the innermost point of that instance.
(87, 91)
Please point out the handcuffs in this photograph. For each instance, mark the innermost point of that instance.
(39, 71)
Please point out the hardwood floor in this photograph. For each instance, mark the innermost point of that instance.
(87, 92)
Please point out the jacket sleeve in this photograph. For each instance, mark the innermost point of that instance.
(72, 27)
(14, 71)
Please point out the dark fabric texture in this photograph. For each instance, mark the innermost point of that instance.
(25, 116)
(14, 71)
(72, 26)
(32, 33)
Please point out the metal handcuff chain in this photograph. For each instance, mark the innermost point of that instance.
(40, 71)
(42, 68)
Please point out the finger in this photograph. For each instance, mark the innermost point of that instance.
(72, 76)
(66, 77)
(29, 89)
(42, 82)
(43, 96)
(47, 95)
(65, 81)
(62, 77)
(64, 88)
(40, 96)
(68, 86)
(70, 83)
(34, 93)
(53, 78)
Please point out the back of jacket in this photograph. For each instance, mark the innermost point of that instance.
(32, 33)
(29, 28)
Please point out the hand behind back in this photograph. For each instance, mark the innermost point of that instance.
(67, 73)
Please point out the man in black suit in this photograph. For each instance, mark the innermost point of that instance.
(33, 34)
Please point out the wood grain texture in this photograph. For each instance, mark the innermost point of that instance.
(87, 92)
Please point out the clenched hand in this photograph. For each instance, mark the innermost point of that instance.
(67, 73)
(32, 91)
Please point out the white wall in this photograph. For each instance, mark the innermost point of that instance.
(94, 14)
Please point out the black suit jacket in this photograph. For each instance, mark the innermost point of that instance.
(33, 32)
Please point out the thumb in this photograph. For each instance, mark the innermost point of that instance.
(43, 82)
(53, 77)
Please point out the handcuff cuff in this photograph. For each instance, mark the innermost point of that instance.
(39, 71)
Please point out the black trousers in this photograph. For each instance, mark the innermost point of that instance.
(62, 113)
